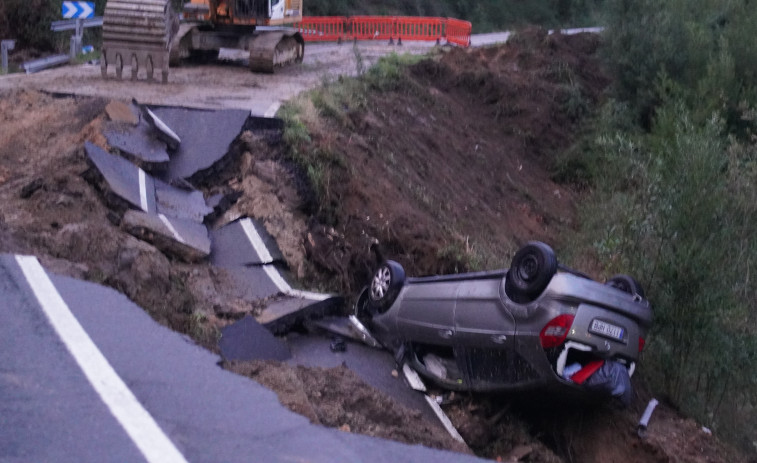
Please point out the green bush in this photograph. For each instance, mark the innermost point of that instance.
(28, 21)
(704, 46)
(676, 207)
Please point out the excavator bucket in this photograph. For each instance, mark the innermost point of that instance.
(138, 33)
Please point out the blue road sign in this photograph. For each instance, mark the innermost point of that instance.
(78, 10)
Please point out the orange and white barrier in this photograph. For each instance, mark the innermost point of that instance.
(322, 29)
(371, 28)
(427, 29)
(391, 28)
(458, 32)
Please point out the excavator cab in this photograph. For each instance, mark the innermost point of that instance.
(247, 12)
(259, 10)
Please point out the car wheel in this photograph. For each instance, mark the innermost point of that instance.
(626, 284)
(531, 271)
(385, 285)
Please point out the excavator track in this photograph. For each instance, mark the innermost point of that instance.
(137, 33)
(277, 48)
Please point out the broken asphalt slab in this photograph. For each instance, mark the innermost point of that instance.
(206, 137)
(180, 203)
(248, 340)
(207, 413)
(253, 283)
(164, 132)
(119, 178)
(283, 306)
(244, 242)
(184, 239)
(281, 314)
(138, 143)
(220, 203)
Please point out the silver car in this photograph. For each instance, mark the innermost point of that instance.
(537, 324)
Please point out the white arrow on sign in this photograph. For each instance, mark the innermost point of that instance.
(78, 10)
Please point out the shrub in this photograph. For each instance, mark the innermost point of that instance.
(676, 208)
(28, 21)
(704, 46)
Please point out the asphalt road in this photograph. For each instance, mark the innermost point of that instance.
(86, 375)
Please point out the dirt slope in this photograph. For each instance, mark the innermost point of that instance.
(449, 171)
(445, 172)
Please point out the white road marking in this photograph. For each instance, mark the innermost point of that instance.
(444, 419)
(271, 111)
(163, 127)
(413, 379)
(416, 383)
(265, 256)
(171, 228)
(143, 189)
(136, 421)
(284, 287)
(256, 241)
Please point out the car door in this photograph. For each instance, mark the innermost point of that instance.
(426, 312)
(484, 332)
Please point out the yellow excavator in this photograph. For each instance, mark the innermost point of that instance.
(149, 35)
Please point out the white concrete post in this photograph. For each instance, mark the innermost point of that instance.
(5, 47)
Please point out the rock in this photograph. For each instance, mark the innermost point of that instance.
(121, 112)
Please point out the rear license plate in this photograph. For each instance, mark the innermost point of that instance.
(606, 329)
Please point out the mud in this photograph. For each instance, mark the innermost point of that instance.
(450, 171)
(338, 398)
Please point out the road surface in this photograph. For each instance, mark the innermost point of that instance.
(88, 376)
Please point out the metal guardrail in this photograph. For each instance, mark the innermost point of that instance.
(43, 63)
(78, 25)
(70, 24)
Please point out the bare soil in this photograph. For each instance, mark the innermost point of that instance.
(447, 172)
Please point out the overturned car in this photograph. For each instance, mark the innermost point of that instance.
(538, 324)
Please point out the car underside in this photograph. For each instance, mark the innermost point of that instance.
(537, 324)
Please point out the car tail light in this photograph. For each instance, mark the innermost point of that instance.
(641, 343)
(554, 333)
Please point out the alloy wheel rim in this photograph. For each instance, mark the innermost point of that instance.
(380, 284)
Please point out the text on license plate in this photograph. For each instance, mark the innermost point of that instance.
(606, 329)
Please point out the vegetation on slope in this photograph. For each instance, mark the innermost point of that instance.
(672, 166)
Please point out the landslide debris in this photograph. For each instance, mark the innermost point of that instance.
(446, 164)
(446, 171)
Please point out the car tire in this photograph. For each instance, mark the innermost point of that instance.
(627, 284)
(532, 269)
(385, 285)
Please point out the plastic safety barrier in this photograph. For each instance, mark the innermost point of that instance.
(428, 29)
(372, 28)
(338, 28)
(459, 32)
(322, 29)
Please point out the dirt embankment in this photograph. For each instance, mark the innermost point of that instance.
(449, 171)
(446, 172)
